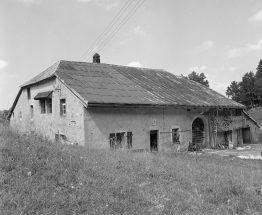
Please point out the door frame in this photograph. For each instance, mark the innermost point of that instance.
(157, 143)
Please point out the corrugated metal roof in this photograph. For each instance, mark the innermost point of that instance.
(105, 84)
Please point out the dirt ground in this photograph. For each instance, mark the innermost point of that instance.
(251, 151)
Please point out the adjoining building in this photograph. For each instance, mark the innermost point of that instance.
(101, 105)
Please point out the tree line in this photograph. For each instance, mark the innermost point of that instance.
(249, 90)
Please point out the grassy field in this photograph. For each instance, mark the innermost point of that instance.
(41, 177)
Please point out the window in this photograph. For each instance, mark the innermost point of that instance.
(43, 105)
(129, 140)
(62, 107)
(20, 114)
(116, 140)
(46, 105)
(112, 137)
(28, 93)
(175, 135)
(31, 111)
(238, 112)
(49, 105)
(60, 138)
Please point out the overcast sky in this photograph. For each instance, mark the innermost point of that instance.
(222, 38)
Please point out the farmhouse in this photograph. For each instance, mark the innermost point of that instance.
(102, 106)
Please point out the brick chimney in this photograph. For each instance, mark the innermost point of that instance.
(96, 58)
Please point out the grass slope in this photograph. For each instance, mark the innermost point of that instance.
(41, 177)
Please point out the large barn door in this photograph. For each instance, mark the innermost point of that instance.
(246, 135)
(198, 132)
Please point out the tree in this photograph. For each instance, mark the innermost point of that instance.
(249, 90)
(234, 91)
(247, 86)
(200, 78)
(258, 82)
(259, 70)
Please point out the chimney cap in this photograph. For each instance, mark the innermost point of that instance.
(96, 58)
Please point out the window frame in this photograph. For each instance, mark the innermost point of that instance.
(49, 105)
(42, 106)
(63, 107)
(120, 139)
(175, 130)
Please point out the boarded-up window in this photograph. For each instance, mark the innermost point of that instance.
(175, 135)
(119, 139)
(129, 140)
(116, 140)
(112, 140)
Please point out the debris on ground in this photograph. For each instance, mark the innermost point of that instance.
(252, 157)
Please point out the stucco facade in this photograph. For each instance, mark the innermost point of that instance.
(47, 124)
(100, 122)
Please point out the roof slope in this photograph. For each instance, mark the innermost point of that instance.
(106, 84)
(49, 72)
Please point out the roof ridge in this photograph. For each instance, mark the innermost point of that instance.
(110, 64)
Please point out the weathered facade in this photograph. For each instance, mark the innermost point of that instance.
(109, 106)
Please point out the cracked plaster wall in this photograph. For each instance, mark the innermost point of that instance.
(71, 125)
(100, 122)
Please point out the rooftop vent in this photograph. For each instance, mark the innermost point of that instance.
(96, 58)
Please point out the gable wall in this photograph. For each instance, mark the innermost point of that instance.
(100, 122)
(49, 124)
(254, 131)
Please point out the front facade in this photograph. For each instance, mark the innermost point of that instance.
(107, 106)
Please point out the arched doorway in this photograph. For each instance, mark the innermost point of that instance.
(198, 132)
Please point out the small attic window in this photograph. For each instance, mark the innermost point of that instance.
(62, 107)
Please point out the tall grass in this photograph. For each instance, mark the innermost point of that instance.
(41, 177)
